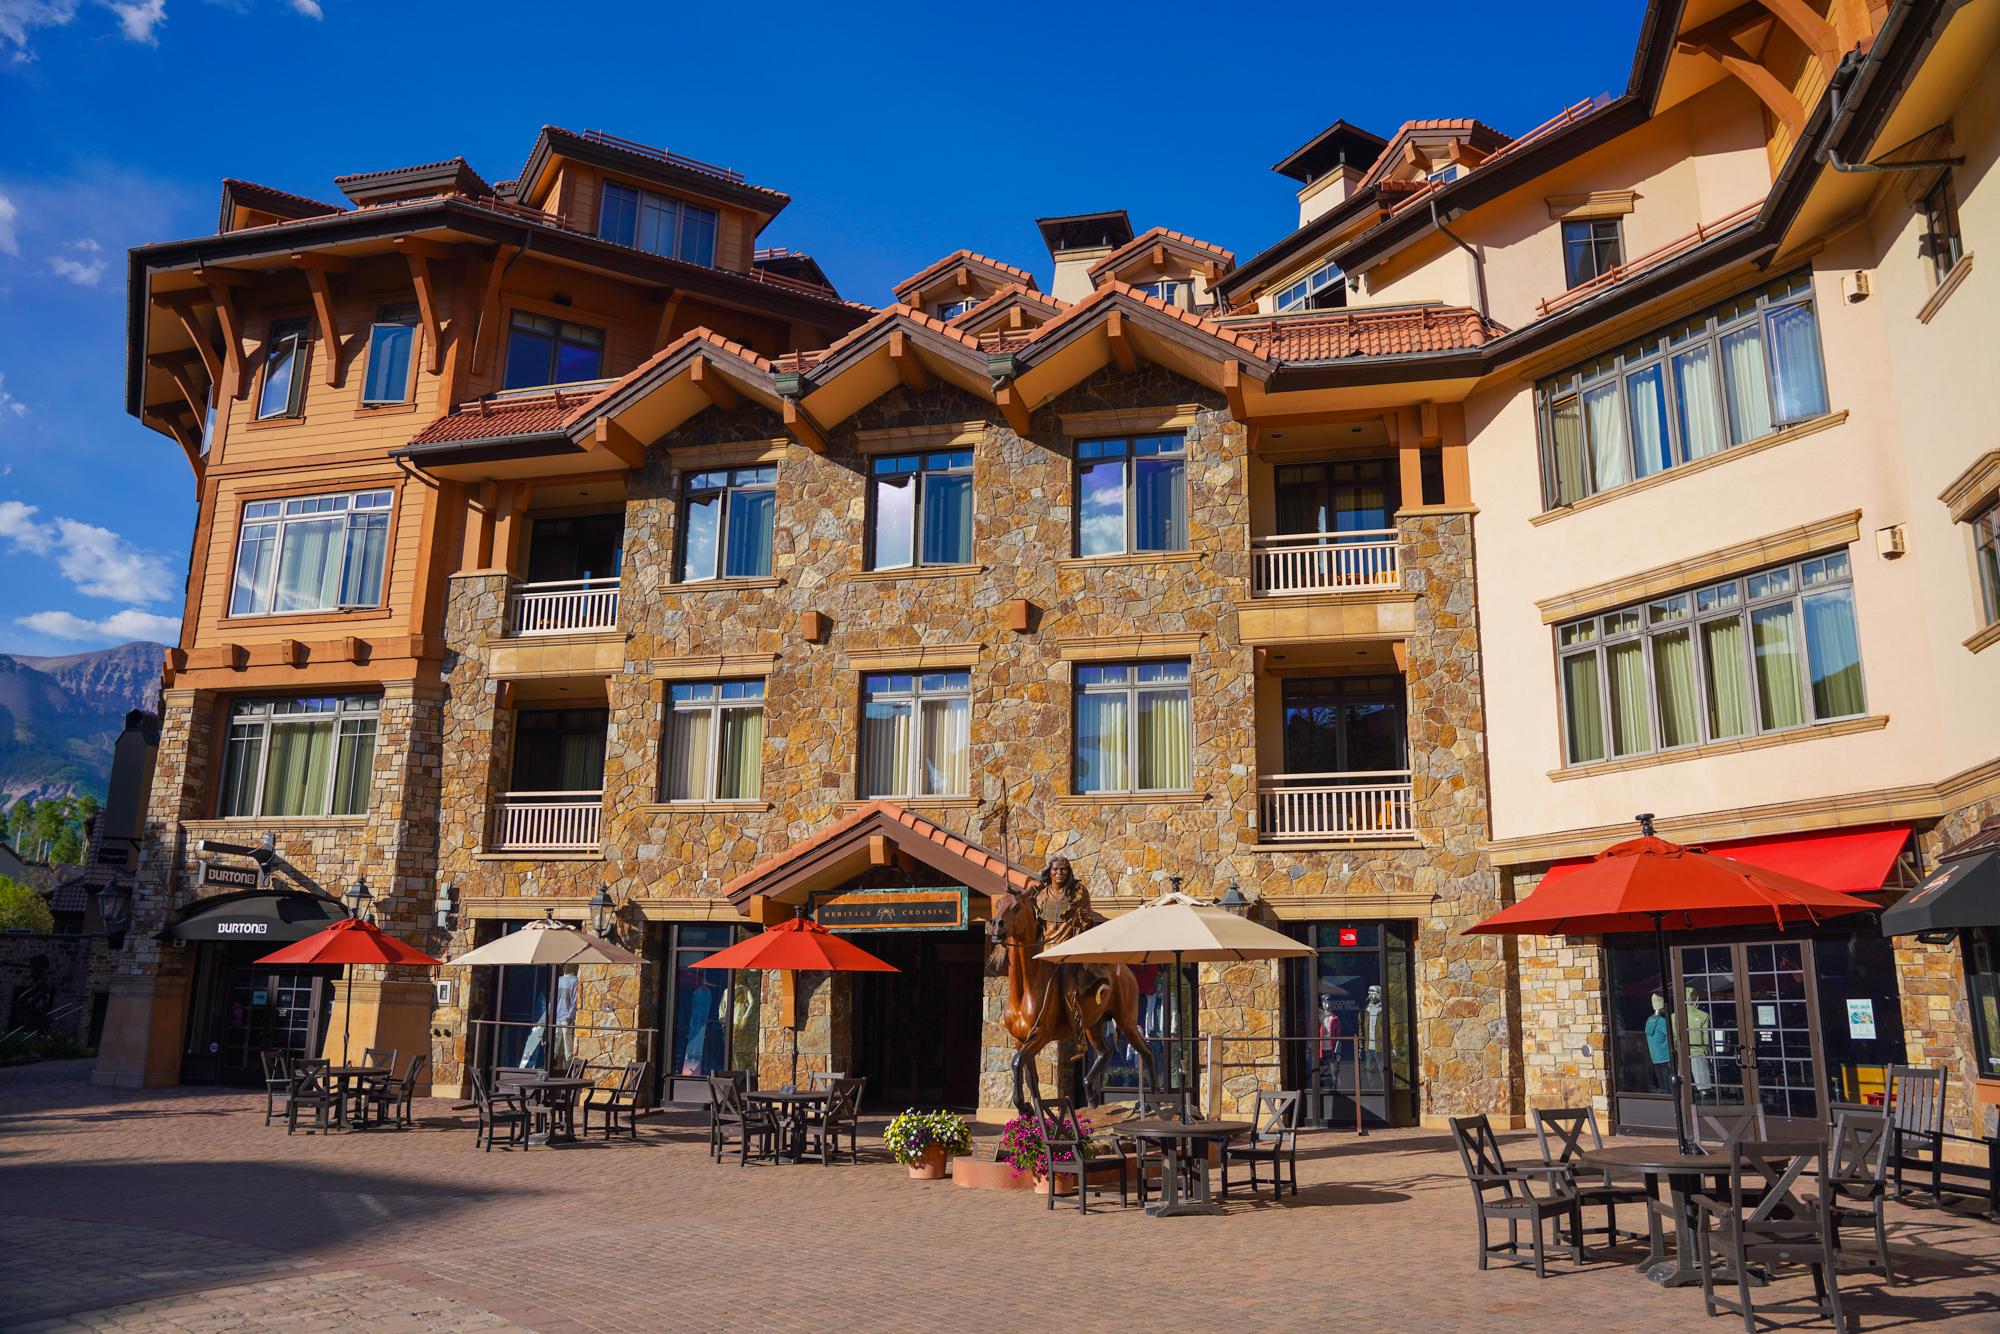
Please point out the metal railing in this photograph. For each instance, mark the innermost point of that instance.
(563, 606)
(662, 155)
(1351, 562)
(1336, 807)
(1618, 273)
(547, 821)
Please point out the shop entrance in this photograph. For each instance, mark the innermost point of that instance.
(242, 1009)
(916, 1032)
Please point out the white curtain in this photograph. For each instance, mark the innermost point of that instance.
(1164, 740)
(309, 564)
(1795, 358)
(687, 755)
(885, 749)
(1749, 392)
(1694, 383)
(1100, 743)
(944, 772)
(895, 520)
(1608, 454)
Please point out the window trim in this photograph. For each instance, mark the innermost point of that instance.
(1987, 567)
(226, 723)
(1130, 688)
(714, 707)
(1693, 620)
(686, 489)
(951, 310)
(295, 394)
(916, 695)
(1327, 275)
(555, 359)
(244, 500)
(1130, 458)
(870, 558)
(1944, 191)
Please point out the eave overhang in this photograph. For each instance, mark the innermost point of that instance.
(555, 142)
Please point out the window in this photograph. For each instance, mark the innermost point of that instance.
(1345, 724)
(579, 546)
(659, 223)
(1982, 976)
(559, 750)
(299, 756)
(1986, 551)
(1339, 497)
(541, 350)
(311, 553)
(951, 310)
(1320, 290)
(1443, 174)
(1169, 292)
(1728, 375)
(1134, 728)
(1133, 495)
(1591, 249)
(1942, 243)
(915, 735)
(923, 509)
(715, 741)
(392, 341)
(1762, 653)
(284, 390)
(727, 523)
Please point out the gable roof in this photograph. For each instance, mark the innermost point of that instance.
(635, 159)
(453, 174)
(988, 312)
(1187, 246)
(849, 847)
(1000, 273)
(248, 194)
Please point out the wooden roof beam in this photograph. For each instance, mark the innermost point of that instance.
(316, 267)
(419, 253)
(670, 305)
(711, 382)
(1770, 90)
(1007, 394)
(801, 424)
(1232, 385)
(908, 364)
(1812, 30)
(188, 437)
(1121, 345)
(221, 284)
(619, 442)
(1159, 257)
(487, 336)
(176, 365)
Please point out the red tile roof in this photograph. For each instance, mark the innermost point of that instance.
(285, 194)
(1011, 292)
(1152, 238)
(910, 820)
(923, 275)
(1402, 330)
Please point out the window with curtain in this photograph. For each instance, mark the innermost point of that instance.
(1134, 728)
(921, 510)
(311, 553)
(915, 735)
(1942, 245)
(1986, 554)
(542, 350)
(1132, 495)
(715, 741)
(727, 516)
(657, 223)
(1731, 374)
(283, 393)
(392, 345)
(311, 756)
(1322, 289)
(559, 750)
(1772, 650)
(1591, 248)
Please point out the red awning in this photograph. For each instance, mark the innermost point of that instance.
(1849, 863)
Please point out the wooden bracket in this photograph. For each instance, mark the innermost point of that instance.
(908, 364)
(220, 283)
(1232, 385)
(1427, 423)
(1008, 396)
(881, 852)
(1121, 346)
(176, 364)
(419, 254)
(620, 442)
(964, 277)
(813, 626)
(1159, 257)
(1717, 40)
(316, 268)
(487, 336)
(1018, 614)
(670, 305)
(711, 382)
(182, 304)
(1401, 648)
(801, 424)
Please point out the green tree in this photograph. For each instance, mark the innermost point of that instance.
(52, 830)
(22, 909)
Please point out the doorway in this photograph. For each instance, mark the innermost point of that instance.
(242, 1009)
(916, 1033)
(1358, 497)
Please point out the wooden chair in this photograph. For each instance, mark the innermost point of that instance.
(841, 1111)
(1569, 1126)
(1151, 1155)
(578, 1068)
(1916, 1125)
(1069, 1148)
(741, 1079)
(620, 1101)
(500, 1105)
(1275, 1141)
(393, 1100)
(819, 1081)
(1762, 1219)
(311, 1089)
(1516, 1203)
(731, 1113)
(1857, 1174)
(277, 1084)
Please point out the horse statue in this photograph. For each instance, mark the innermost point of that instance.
(1049, 1002)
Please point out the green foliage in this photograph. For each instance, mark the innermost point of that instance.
(913, 1131)
(22, 909)
(52, 830)
(38, 1047)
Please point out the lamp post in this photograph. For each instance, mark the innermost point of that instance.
(357, 899)
(603, 919)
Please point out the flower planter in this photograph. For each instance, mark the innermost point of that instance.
(930, 1167)
(988, 1174)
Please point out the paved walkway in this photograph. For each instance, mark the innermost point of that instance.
(176, 1209)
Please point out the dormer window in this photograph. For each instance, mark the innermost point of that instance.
(1592, 249)
(1169, 292)
(1444, 174)
(951, 310)
(1321, 290)
(542, 351)
(659, 223)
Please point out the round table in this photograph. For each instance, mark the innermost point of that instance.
(1683, 1172)
(542, 1092)
(1179, 1139)
(792, 1106)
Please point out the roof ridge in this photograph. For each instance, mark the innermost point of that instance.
(954, 257)
(272, 189)
(1151, 236)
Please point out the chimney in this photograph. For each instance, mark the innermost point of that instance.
(1328, 192)
(1078, 241)
(131, 785)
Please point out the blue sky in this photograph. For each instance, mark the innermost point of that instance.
(902, 132)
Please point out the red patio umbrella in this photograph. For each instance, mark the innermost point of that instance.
(1649, 882)
(792, 946)
(351, 940)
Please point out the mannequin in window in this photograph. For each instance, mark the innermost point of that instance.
(1371, 1031)
(1660, 1044)
(701, 1012)
(1699, 1064)
(1326, 1051)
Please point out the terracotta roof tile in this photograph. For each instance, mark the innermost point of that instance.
(923, 275)
(485, 420)
(1188, 317)
(1011, 292)
(287, 194)
(398, 171)
(910, 820)
(1364, 333)
(1154, 237)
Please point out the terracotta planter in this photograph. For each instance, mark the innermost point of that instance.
(987, 1174)
(930, 1167)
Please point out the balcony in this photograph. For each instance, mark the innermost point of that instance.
(1336, 808)
(563, 607)
(547, 821)
(1363, 561)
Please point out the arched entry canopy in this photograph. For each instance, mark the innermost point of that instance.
(262, 916)
(880, 834)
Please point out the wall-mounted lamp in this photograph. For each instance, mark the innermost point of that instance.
(603, 914)
(358, 900)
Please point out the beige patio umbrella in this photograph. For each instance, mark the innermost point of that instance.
(551, 944)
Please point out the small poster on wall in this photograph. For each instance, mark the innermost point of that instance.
(1861, 1018)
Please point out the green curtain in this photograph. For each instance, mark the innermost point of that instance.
(295, 776)
(687, 755)
(354, 767)
(742, 756)
(1631, 726)
(943, 771)
(1572, 472)
(1774, 636)
(1164, 725)
(1834, 650)
(1674, 689)
(239, 770)
(1100, 743)
(582, 762)
(1586, 713)
(1728, 678)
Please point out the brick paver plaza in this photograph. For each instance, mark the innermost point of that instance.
(176, 1209)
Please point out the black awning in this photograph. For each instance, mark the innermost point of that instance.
(1961, 893)
(276, 917)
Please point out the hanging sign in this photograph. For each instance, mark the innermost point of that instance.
(1350, 935)
(892, 910)
(235, 877)
(1861, 1018)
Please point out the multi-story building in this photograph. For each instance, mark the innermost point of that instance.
(1307, 578)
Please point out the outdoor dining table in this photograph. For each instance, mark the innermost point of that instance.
(1683, 1172)
(542, 1093)
(342, 1076)
(791, 1104)
(1189, 1140)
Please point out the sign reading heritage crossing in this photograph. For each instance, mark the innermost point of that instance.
(893, 910)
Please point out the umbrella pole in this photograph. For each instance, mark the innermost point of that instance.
(1674, 1071)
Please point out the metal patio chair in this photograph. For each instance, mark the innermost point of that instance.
(1516, 1202)
(622, 1101)
(1569, 1127)
(500, 1106)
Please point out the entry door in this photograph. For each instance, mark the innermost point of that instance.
(266, 1011)
(1748, 1030)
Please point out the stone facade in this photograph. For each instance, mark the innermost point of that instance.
(79, 968)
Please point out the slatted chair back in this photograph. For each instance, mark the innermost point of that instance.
(1916, 1100)
(379, 1058)
(634, 1079)
(1480, 1153)
(1163, 1104)
(1276, 1118)
(1858, 1154)
(743, 1079)
(1724, 1124)
(413, 1074)
(309, 1075)
(577, 1068)
(274, 1068)
(819, 1081)
(1766, 1196)
(1566, 1133)
(729, 1100)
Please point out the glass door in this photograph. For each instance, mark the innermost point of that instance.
(1746, 1030)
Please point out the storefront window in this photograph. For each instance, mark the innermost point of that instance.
(1982, 976)
(1861, 1022)
(1352, 1011)
(1158, 1007)
(713, 1015)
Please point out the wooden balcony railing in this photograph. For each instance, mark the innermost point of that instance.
(1353, 562)
(564, 607)
(547, 821)
(1336, 808)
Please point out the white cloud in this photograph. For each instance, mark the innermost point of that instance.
(119, 626)
(80, 272)
(310, 8)
(86, 244)
(17, 17)
(139, 20)
(8, 403)
(8, 242)
(98, 561)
